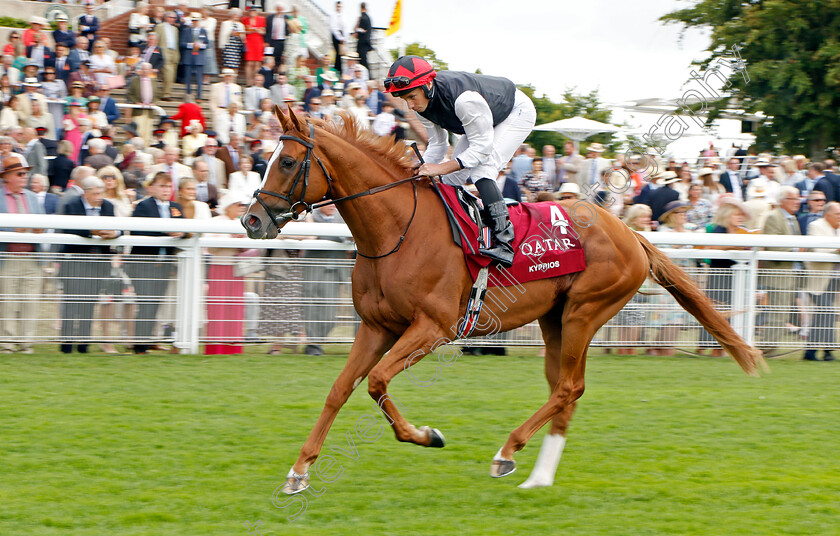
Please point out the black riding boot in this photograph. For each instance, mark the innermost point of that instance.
(501, 249)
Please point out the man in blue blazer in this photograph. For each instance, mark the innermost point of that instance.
(85, 269)
(734, 179)
(151, 267)
(88, 25)
(194, 43)
(107, 104)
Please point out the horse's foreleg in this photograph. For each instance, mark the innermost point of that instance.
(416, 342)
(367, 350)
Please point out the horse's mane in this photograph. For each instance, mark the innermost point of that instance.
(349, 129)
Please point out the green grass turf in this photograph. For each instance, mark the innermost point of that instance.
(192, 445)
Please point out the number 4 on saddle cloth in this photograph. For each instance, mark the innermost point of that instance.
(545, 244)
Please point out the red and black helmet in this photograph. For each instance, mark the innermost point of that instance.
(407, 73)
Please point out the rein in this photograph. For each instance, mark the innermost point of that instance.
(303, 173)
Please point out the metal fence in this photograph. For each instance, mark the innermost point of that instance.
(297, 292)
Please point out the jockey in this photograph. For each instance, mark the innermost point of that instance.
(492, 117)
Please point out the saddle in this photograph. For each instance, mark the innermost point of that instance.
(545, 244)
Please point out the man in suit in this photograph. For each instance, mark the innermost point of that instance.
(569, 165)
(816, 203)
(23, 105)
(63, 35)
(732, 179)
(174, 169)
(80, 52)
(816, 181)
(39, 53)
(591, 176)
(230, 122)
(107, 104)
(229, 153)
(39, 184)
(223, 93)
(152, 53)
(20, 273)
(194, 44)
(217, 175)
(204, 190)
(167, 34)
(34, 151)
(276, 30)
(50, 146)
(781, 289)
(151, 267)
(363, 35)
(664, 193)
(88, 25)
(833, 178)
(83, 76)
(823, 289)
(142, 90)
(63, 64)
(256, 93)
(85, 269)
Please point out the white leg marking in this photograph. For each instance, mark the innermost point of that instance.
(546, 466)
(357, 382)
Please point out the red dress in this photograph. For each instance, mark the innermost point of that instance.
(186, 113)
(254, 42)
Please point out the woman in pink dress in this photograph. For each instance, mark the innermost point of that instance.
(72, 130)
(225, 291)
(254, 44)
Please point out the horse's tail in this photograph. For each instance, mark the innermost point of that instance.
(692, 299)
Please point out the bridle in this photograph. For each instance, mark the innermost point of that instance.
(303, 174)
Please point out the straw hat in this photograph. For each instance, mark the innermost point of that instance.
(195, 15)
(31, 82)
(228, 71)
(595, 148)
(570, 188)
(664, 177)
(230, 198)
(706, 171)
(329, 77)
(763, 162)
(14, 162)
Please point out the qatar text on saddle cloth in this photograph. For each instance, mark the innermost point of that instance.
(545, 244)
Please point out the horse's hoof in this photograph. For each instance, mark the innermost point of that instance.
(296, 483)
(502, 467)
(436, 439)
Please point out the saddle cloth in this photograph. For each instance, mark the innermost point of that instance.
(545, 243)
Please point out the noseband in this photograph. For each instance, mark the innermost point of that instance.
(303, 173)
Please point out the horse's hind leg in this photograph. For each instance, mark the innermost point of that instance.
(580, 322)
(367, 350)
(553, 443)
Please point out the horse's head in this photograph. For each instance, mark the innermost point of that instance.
(291, 183)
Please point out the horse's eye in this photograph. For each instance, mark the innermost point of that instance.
(287, 163)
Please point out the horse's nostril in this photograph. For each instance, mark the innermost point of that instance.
(253, 223)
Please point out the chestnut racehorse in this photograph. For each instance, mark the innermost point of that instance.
(411, 284)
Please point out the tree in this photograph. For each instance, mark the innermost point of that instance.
(417, 49)
(573, 105)
(792, 55)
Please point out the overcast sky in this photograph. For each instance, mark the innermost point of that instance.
(616, 46)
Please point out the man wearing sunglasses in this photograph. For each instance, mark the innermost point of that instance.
(493, 119)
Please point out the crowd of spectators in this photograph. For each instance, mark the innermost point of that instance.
(58, 114)
(735, 192)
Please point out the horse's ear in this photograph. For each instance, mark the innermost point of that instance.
(299, 123)
(284, 121)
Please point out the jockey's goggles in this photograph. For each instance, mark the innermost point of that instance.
(402, 82)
